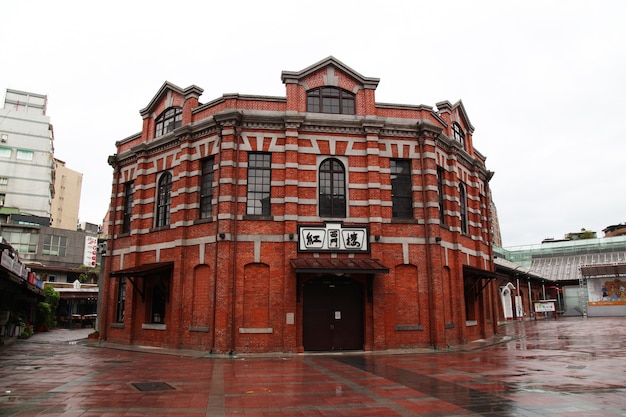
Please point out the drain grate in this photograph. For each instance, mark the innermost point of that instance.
(576, 366)
(152, 386)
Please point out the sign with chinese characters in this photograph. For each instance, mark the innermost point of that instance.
(91, 249)
(333, 237)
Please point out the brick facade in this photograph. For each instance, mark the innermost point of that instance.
(227, 283)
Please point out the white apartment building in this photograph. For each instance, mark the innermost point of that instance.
(27, 166)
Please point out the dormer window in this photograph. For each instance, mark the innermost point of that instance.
(169, 120)
(458, 134)
(330, 100)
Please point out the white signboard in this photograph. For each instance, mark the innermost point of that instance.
(333, 237)
(544, 306)
(91, 250)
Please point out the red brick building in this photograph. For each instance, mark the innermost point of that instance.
(322, 220)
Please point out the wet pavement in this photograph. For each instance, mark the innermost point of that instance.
(567, 367)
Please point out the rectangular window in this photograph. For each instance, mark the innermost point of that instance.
(54, 245)
(259, 184)
(459, 135)
(440, 180)
(121, 300)
(129, 188)
(159, 300)
(5, 152)
(330, 100)
(206, 189)
(463, 208)
(23, 242)
(347, 105)
(25, 155)
(312, 103)
(401, 189)
(4, 181)
(2, 197)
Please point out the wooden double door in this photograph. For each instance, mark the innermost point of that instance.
(333, 314)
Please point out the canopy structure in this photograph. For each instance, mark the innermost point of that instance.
(143, 270)
(339, 265)
(603, 270)
(146, 271)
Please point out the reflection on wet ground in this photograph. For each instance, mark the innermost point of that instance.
(450, 392)
(567, 367)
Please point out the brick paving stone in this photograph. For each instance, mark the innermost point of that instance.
(571, 367)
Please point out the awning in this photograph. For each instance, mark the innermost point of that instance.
(606, 270)
(339, 265)
(470, 271)
(477, 275)
(143, 270)
(9, 210)
(68, 294)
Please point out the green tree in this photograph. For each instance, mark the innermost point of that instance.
(583, 234)
(46, 310)
(52, 297)
(87, 274)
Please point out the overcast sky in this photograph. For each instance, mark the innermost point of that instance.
(542, 82)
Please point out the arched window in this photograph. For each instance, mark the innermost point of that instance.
(164, 199)
(330, 100)
(169, 120)
(332, 189)
(463, 208)
(459, 135)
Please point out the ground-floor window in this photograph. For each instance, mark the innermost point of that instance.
(121, 300)
(158, 301)
(471, 302)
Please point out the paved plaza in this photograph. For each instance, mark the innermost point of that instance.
(567, 367)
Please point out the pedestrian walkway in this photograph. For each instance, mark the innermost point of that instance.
(573, 367)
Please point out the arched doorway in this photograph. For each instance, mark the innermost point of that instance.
(332, 314)
(507, 301)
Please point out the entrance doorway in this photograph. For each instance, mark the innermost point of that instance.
(507, 301)
(332, 314)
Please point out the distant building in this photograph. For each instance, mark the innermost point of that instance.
(615, 230)
(20, 291)
(27, 167)
(66, 202)
(39, 201)
(320, 220)
(587, 272)
(495, 225)
(56, 257)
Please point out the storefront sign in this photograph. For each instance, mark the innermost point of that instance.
(333, 237)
